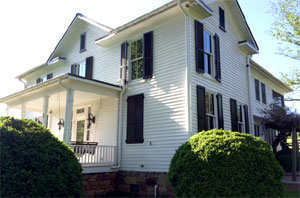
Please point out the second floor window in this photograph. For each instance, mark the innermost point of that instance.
(210, 111)
(79, 69)
(207, 53)
(257, 92)
(221, 19)
(263, 93)
(82, 42)
(136, 59)
(278, 99)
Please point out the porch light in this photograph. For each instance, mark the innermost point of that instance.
(60, 123)
(91, 119)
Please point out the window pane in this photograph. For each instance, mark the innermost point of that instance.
(133, 50)
(207, 102)
(206, 63)
(140, 69)
(80, 131)
(207, 42)
(139, 48)
(82, 69)
(134, 70)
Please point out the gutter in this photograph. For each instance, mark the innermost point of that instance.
(188, 73)
(25, 84)
(249, 93)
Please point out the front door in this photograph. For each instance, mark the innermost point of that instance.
(80, 123)
(80, 130)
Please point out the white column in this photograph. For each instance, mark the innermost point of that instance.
(7, 110)
(45, 111)
(68, 116)
(23, 111)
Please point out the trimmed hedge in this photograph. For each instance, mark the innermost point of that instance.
(34, 163)
(220, 163)
(286, 162)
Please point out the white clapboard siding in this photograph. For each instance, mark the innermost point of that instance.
(233, 66)
(165, 126)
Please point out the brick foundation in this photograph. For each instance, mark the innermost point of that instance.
(141, 183)
(99, 184)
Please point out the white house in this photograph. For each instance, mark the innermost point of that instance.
(127, 98)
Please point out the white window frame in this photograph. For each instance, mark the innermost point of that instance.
(135, 60)
(215, 110)
(211, 54)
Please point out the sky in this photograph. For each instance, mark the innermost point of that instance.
(32, 29)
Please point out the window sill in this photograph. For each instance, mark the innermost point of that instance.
(260, 103)
(222, 28)
(136, 82)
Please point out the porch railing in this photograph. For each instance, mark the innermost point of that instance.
(97, 155)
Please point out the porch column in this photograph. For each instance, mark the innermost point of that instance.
(23, 111)
(7, 110)
(68, 116)
(45, 111)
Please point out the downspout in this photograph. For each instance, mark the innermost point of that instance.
(188, 73)
(25, 84)
(249, 92)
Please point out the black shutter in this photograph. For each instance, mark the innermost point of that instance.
(89, 67)
(220, 111)
(257, 95)
(217, 58)
(247, 130)
(135, 119)
(123, 61)
(148, 55)
(263, 93)
(199, 47)
(73, 69)
(201, 108)
(233, 111)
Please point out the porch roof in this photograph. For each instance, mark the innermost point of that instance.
(60, 83)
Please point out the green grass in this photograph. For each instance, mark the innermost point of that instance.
(292, 194)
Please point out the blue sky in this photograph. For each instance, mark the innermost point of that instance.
(32, 29)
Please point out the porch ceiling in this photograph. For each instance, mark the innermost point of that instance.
(85, 89)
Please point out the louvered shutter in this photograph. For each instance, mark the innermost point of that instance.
(233, 111)
(148, 55)
(247, 130)
(73, 69)
(257, 93)
(135, 119)
(123, 63)
(201, 110)
(217, 58)
(220, 111)
(199, 47)
(89, 67)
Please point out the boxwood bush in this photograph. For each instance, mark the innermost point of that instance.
(34, 163)
(220, 163)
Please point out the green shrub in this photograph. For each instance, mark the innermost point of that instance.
(286, 162)
(34, 163)
(220, 163)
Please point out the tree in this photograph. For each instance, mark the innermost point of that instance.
(284, 121)
(286, 27)
(292, 79)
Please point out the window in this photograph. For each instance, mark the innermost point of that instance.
(263, 93)
(256, 131)
(278, 99)
(135, 119)
(49, 76)
(240, 118)
(79, 69)
(221, 19)
(210, 111)
(257, 92)
(82, 42)
(207, 53)
(136, 59)
(39, 80)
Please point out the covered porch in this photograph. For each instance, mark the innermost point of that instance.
(81, 112)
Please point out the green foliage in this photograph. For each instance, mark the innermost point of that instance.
(220, 163)
(34, 163)
(286, 27)
(286, 162)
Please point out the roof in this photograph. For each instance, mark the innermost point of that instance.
(270, 76)
(84, 18)
(57, 79)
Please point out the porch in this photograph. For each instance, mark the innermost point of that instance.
(81, 112)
